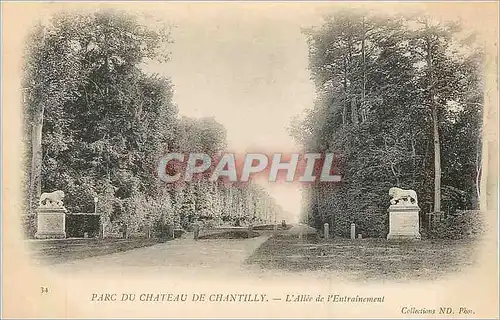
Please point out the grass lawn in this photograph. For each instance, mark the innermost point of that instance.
(64, 250)
(366, 259)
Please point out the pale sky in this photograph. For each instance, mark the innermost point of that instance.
(247, 69)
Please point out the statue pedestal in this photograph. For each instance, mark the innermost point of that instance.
(51, 223)
(404, 222)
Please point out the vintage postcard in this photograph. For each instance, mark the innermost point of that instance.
(250, 160)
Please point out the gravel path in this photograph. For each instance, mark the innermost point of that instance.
(186, 254)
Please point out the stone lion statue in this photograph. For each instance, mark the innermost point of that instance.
(408, 196)
(52, 199)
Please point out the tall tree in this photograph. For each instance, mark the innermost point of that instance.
(389, 101)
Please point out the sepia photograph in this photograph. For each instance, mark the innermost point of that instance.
(250, 160)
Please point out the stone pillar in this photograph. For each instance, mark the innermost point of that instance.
(326, 229)
(353, 231)
(404, 223)
(101, 228)
(51, 223)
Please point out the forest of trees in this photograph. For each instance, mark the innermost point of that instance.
(399, 100)
(96, 125)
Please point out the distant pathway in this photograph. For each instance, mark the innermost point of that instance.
(178, 254)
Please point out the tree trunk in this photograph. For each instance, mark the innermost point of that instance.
(414, 159)
(35, 188)
(435, 124)
(437, 162)
(398, 184)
